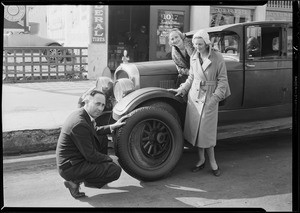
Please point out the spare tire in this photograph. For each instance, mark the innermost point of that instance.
(150, 144)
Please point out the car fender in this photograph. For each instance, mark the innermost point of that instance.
(137, 97)
(51, 43)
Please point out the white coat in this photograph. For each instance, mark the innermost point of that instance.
(206, 86)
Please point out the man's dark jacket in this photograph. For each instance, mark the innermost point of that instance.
(78, 140)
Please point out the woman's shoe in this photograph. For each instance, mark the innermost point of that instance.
(217, 172)
(198, 168)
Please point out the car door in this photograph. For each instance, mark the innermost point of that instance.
(264, 75)
(228, 43)
(285, 64)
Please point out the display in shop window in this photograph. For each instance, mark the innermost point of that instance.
(167, 20)
(116, 52)
(222, 16)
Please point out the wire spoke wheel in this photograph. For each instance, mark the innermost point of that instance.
(54, 55)
(150, 144)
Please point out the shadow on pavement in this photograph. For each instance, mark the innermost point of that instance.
(251, 167)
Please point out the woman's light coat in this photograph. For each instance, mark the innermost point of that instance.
(206, 85)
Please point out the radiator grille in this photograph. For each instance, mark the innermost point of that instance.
(167, 84)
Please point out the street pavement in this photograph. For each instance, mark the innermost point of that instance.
(256, 173)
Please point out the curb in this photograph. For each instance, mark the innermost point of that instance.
(32, 141)
(39, 140)
(29, 141)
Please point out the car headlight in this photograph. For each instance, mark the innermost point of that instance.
(105, 84)
(122, 87)
(121, 74)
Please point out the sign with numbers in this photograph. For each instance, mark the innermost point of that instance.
(167, 20)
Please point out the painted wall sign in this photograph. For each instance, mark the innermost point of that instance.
(98, 24)
(15, 17)
(274, 15)
(221, 16)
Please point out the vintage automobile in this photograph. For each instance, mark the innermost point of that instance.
(151, 143)
(30, 39)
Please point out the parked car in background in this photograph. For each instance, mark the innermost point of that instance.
(151, 143)
(28, 39)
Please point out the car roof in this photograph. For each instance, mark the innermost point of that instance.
(228, 26)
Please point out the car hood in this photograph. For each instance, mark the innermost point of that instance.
(156, 67)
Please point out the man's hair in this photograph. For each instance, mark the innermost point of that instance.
(92, 93)
(95, 91)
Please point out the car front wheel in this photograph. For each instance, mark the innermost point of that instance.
(150, 144)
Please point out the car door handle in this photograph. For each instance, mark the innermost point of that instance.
(250, 65)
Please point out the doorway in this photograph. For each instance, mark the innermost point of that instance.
(128, 30)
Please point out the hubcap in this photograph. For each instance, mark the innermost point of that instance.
(54, 54)
(155, 138)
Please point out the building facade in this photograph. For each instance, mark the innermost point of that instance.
(143, 30)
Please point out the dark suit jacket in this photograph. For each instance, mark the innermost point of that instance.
(78, 140)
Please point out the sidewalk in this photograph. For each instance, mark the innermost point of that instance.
(42, 105)
(32, 113)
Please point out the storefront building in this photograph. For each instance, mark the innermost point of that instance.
(143, 30)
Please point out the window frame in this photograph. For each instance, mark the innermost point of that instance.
(221, 35)
(262, 34)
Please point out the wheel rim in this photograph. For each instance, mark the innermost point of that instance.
(54, 55)
(150, 143)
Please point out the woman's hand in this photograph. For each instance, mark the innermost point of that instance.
(178, 91)
(183, 71)
(212, 102)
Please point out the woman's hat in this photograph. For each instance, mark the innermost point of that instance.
(202, 34)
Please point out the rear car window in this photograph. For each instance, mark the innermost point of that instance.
(264, 42)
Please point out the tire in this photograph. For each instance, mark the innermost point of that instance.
(150, 144)
(165, 106)
(51, 54)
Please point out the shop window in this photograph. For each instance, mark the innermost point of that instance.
(227, 44)
(167, 20)
(224, 15)
(263, 42)
(125, 26)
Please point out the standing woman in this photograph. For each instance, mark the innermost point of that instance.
(206, 85)
(182, 49)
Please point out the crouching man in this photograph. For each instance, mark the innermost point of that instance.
(81, 155)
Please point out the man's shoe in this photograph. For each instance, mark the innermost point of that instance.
(74, 189)
(217, 172)
(98, 186)
(198, 168)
